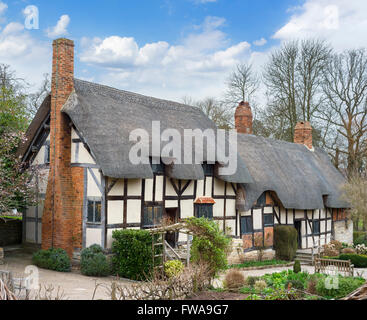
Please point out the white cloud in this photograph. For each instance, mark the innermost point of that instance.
(342, 23)
(61, 27)
(261, 42)
(3, 7)
(196, 66)
(30, 58)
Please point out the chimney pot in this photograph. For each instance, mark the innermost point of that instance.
(243, 118)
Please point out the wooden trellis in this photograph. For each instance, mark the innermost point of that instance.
(169, 253)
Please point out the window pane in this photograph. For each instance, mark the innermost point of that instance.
(90, 211)
(268, 220)
(148, 217)
(316, 227)
(158, 215)
(246, 225)
(204, 210)
(97, 212)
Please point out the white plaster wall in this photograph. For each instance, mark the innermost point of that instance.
(93, 236)
(208, 188)
(170, 191)
(171, 204)
(159, 188)
(134, 187)
(84, 156)
(118, 188)
(115, 212)
(200, 188)
(230, 207)
(148, 190)
(187, 209)
(257, 219)
(133, 211)
(93, 190)
(218, 209)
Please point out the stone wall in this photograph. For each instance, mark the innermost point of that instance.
(343, 232)
(10, 232)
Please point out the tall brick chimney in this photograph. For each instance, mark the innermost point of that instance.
(243, 118)
(303, 134)
(61, 222)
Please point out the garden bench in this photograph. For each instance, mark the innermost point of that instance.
(338, 266)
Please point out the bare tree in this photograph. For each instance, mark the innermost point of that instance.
(293, 77)
(242, 85)
(35, 99)
(345, 111)
(214, 109)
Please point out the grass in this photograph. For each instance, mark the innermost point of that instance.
(249, 264)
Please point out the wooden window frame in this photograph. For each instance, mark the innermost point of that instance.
(94, 200)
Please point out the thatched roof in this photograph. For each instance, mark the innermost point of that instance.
(106, 117)
(299, 177)
(302, 179)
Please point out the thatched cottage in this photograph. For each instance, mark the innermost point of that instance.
(79, 138)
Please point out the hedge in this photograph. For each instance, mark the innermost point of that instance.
(93, 262)
(285, 242)
(52, 259)
(358, 260)
(133, 257)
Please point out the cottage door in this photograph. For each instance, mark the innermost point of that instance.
(171, 215)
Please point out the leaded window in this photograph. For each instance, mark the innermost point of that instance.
(94, 210)
(152, 216)
(204, 211)
(246, 225)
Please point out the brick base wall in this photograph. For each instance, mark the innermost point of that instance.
(10, 232)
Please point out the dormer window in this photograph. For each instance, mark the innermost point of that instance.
(208, 169)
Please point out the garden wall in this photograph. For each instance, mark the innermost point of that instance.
(10, 232)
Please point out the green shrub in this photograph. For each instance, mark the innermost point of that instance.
(358, 260)
(210, 245)
(251, 280)
(359, 237)
(346, 286)
(52, 259)
(173, 268)
(285, 242)
(133, 258)
(297, 267)
(94, 263)
(296, 284)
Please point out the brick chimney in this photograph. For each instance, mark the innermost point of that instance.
(243, 118)
(303, 134)
(61, 221)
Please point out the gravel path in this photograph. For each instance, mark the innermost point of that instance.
(75, 285)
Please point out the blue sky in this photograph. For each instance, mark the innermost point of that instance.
(168, 48)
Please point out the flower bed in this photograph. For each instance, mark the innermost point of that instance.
(288, 285)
